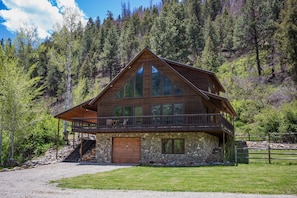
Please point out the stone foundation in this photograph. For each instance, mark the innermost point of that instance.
(198, 147)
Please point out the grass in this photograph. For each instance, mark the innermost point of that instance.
(249, 179)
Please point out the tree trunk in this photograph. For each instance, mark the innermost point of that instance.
(68, 90)
(11, 138)
(257, 52)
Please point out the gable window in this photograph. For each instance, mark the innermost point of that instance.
(162, 85)
(133, 88)
(173, 146)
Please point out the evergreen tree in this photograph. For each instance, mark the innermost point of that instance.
(128, 39)
(168, 35)
(209, 57)
(255, 27)
(286, 34)
(110, 59)
(195, 28)
(210, 31)
(212, 8)
(26, 44)
(224, 26)
(87, 50)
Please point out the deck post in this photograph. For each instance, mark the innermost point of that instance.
(73, 139)
(57, 139)
(80, 150)
(224, 148)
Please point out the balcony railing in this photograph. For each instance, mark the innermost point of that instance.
(185, 122)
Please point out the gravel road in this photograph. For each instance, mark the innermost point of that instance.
(34, 183)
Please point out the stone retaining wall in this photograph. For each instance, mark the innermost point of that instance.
(198, 147)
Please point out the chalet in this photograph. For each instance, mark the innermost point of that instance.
(157, 111)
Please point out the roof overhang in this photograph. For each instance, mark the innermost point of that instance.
(83, 110)
(216, 99)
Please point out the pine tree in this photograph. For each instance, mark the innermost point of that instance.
(110, 59)
(212, 8)
(286, 34)
(168, 35)
(194, 28)
(209, 57)
(255, 27)
(224, 28)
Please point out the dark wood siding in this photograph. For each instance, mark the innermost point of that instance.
(191, 99)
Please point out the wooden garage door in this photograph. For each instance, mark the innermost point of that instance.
(126, 150)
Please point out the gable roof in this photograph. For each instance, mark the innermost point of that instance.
(212, 75)
(128, 66)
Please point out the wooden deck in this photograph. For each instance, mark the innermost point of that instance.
(212, 123)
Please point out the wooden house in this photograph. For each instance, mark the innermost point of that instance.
(157, 111)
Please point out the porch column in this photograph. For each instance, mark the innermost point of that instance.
(73, 139)
(80, 150)
(57, 139)
(224, 147)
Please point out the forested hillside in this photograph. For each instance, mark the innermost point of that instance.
(250, 44)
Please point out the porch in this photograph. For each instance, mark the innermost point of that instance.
(211, 123)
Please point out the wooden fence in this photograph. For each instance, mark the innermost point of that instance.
(273, 148)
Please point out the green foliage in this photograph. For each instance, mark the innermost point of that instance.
(286, 33)
(39, 138)
(209, 57)
(168, 36)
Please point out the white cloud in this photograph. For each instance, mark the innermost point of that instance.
(43, 14)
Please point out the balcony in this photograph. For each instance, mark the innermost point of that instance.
(211, 123)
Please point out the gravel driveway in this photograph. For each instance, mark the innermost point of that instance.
(35, 183)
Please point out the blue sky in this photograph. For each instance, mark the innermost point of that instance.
(45, 14)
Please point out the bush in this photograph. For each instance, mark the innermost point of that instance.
(37, 138)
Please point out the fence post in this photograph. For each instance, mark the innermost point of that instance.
(269, 155)
(269, 152)
(235, 154)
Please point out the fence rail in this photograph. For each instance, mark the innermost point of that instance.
(273, 148)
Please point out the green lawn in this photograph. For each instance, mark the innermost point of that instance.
(252, 178)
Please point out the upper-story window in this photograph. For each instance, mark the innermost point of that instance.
(162, 85)
(133, 88)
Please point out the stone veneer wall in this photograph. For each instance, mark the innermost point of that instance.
(198, 147)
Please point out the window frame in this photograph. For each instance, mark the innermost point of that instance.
(162, 85)
(134, 87)
(173, 149)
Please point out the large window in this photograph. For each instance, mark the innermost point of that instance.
(123, 111)
(166, 110)
(133, 88)
(173, 146)
(162, 85)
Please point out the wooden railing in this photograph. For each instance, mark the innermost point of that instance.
(206, 122)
